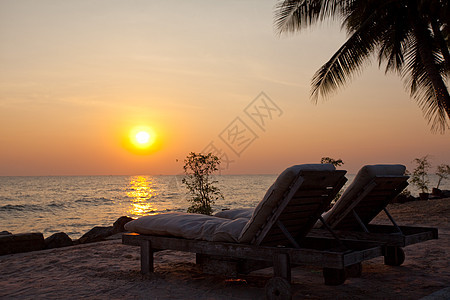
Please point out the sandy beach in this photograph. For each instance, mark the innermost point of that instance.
(110, 270)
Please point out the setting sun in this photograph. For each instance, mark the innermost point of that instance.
(141, 140)
(142, 137)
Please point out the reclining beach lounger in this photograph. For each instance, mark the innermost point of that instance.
(275, 234)
(373, 188)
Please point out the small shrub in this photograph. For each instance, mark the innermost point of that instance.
(336, 163)
(329, 160)
(198, 168)
(403, 197)
(442, 171)
(419, 176)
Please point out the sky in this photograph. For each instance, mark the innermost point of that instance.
(77, 77)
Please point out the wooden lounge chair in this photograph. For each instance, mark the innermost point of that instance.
(275, 234)
(373, 188)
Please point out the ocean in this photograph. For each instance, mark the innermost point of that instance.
(75, 204)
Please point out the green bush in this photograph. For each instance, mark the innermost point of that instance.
(336, 163)
(419, 176)
(329, 160)
(442, 171)
(198, 168)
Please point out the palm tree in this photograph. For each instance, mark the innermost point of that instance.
(411, 36)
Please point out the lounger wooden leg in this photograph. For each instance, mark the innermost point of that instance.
(354, 270)
(146, 257)
(279, 287)
(282, 266)
(333, 276)
(200, 258)
(393, 256)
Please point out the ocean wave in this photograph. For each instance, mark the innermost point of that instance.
(95, 201)
(171, 195)
(21, 207)
(57, 205)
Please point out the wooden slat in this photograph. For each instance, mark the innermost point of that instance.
(373, 198)
(322, 258)
(318, 181)
(389, 182)
(337, 219)
(308, 201)
(384, 233)
(298, 182)
(302, 193)
(293, 223)
(314, 179)
(302, 217)
(407, 230)
(276, 233)
(298, 210)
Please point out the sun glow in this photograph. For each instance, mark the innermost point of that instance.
(141, 140)
(142, 137)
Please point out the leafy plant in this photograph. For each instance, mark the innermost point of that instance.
(337, 163)
(405, 193)
(198, 168)
(419, 176)
(329, 160)
(403, 197)
(442, 171)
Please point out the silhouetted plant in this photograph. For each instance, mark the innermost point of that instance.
(337, 163)
(198, 168)
(329, 160)
(442, 171)
(419, 176)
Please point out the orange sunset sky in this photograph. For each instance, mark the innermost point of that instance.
(77, 77)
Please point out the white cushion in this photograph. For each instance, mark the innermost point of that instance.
(364, 176)
(241, 228)
(235, 213)
(273, 195)
(189, 226)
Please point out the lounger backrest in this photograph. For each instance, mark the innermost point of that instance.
(297, 198)
(372, 189)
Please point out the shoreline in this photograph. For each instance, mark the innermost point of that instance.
(75, 205)
(110, 270)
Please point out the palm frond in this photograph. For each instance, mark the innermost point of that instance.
(423, 91)
(395, 41)
(398, 31)
(294, 15)
(347, 61)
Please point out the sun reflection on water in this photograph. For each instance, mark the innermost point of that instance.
(140, 190)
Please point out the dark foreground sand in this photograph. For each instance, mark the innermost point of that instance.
(110, 270)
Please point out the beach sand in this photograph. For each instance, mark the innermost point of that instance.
(110, 270)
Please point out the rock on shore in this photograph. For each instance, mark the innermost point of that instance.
(25, 242)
